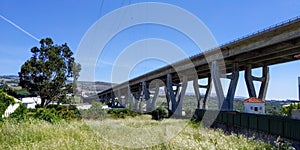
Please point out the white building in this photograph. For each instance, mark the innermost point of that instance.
(254, 105)
(30, 102)
(11, 108)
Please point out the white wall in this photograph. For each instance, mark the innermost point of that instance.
(30, 102)
(11, 108)
(255, 108)
(295, 114)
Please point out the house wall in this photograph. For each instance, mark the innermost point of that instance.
(30, 105)
(10, 109)
(247, 108)
(295, 114)
(30, 102)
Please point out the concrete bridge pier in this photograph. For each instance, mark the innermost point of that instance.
(150, 102)
(197, 88)
(225, 101)
(119, 98)
(145, 96)
(233, 77)
(176, 96)
(249, 78)
(128, 98)
(216, 78)
(137, 96)
(112, 99)
(154, 98)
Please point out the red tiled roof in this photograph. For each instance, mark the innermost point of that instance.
(254, 100)
(297, 56)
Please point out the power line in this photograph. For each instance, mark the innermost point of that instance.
(18, 27)
(101, 6)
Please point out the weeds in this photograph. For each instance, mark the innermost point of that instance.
(112, 134)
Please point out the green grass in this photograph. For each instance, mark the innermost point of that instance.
(137, 132)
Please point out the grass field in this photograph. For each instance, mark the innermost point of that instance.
(138, 132)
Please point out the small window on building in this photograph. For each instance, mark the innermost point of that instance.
(260, 108)
(251, 107)
(255, 109)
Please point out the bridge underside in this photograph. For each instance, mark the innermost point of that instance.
(277, 45)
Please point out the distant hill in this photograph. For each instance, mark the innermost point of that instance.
(86, 87)
(89, 88)
(13, 77)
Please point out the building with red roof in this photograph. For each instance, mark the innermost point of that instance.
(254, 105)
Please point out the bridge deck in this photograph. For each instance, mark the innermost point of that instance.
(275, 45)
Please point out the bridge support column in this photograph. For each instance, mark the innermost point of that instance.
(137, 96)
(225, 103)
(128, 98)
(146, 96)
(198, 94)
(167, 97)
(228, 103)
(151, 102)
(154, 98)
(105, 99)
(216, 78)
(113, 99)
(176, 96)
(102, 100)
(119, 97)
(249, 78)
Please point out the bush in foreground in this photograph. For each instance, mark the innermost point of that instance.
(20, 113)
(51, 113)
(94, 113)
(160, 113)
(5, 101)
(117, 113)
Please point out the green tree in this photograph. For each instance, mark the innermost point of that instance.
(286, 110)
(47, 71)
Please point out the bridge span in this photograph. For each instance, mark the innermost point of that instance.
(274, 45)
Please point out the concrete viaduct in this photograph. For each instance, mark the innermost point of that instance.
(277, 44)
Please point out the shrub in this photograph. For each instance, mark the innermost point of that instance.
(5, 101)
(67, 112)
(54, 113)
(121, 113)
(160, 113)
(94, 113)
(20, 113)
(49, 115)
(286, 110)
(195, 123)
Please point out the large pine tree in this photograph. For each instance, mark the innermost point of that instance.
(46, 72)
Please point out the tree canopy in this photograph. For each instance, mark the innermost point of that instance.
(46, 73)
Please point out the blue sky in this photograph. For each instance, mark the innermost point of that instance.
(66, 21)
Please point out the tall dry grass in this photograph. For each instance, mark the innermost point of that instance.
(138, 132)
